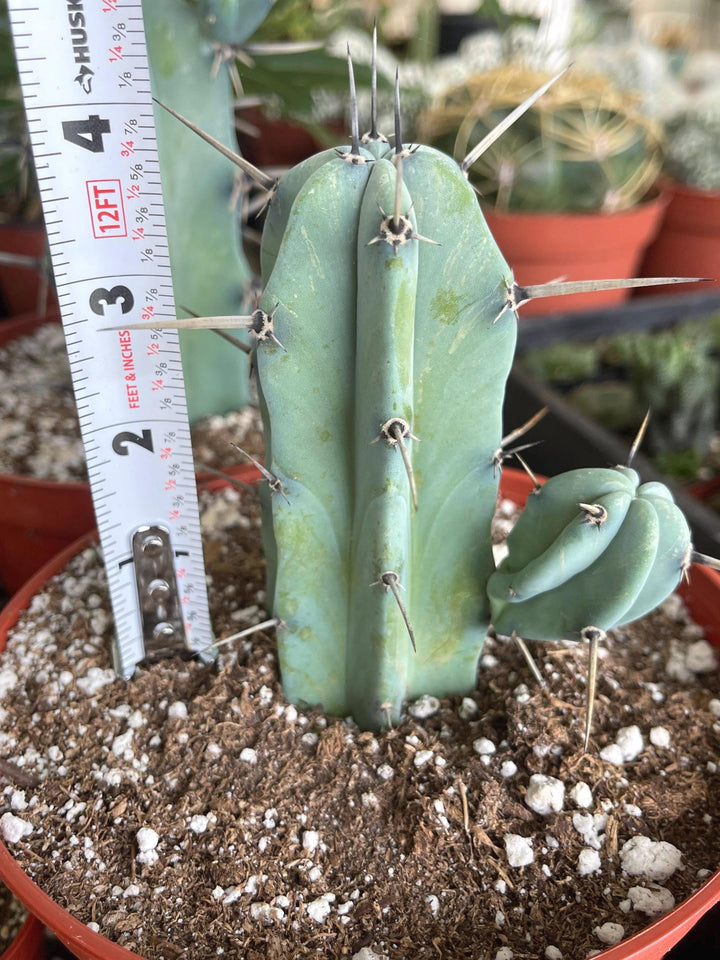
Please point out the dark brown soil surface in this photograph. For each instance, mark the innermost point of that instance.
(285, 833)
(39, 429)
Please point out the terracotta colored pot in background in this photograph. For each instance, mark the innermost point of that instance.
(29, 944)
(688, 243)
(540, 247)
(703, 598)
(37, 517)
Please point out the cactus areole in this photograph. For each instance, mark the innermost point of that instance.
(387, 388)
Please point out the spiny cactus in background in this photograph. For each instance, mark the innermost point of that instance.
(383, 340)
(584, 147)
(693, 155)
(210, 273)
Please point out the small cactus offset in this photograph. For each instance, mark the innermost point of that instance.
(593, 547)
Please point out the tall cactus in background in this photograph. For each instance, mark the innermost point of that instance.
(210, 273)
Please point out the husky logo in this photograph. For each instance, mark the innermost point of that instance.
(79, 40)
(85, 78)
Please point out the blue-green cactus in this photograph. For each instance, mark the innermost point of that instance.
(210, 272)
(384, 341)
(593, 547)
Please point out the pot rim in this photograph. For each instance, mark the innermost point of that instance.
(659, 936)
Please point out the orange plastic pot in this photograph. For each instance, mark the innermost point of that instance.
(703, 598)
(29, 944)
(540, 247)
(688, 242)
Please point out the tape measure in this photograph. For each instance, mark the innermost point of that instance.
(85, 80)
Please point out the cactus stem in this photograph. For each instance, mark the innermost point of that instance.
(536, 484)
(595, 514)
(391, 582)
(593, 635)
(529, 659)
(262, 179)
(275, 483)
(387, 710)
(638, 439)
(479, 149)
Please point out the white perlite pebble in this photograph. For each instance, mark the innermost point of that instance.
(651, 901)
(469, 709)
(199, 823)
(13, 828)
(422, 757)
(714, 707)
(367, 953)
(177, 710)
(630, 741)
(8, 679)
(545, 795)
(610, 933)
(612, 754)
(310, 840)
(581, 795)
(508, 769)
(655, 859)
(385, 772)
(588, 862)
(248, 755)
(518, 849)
(319, 910)
(484, 747)
(147, 840)
(504, 953)
(425, 706)
(660, 737)
(94, 680)
(552, 953)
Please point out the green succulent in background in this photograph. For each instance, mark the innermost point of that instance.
(584, 146)
(562, 362)
(675, 374)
